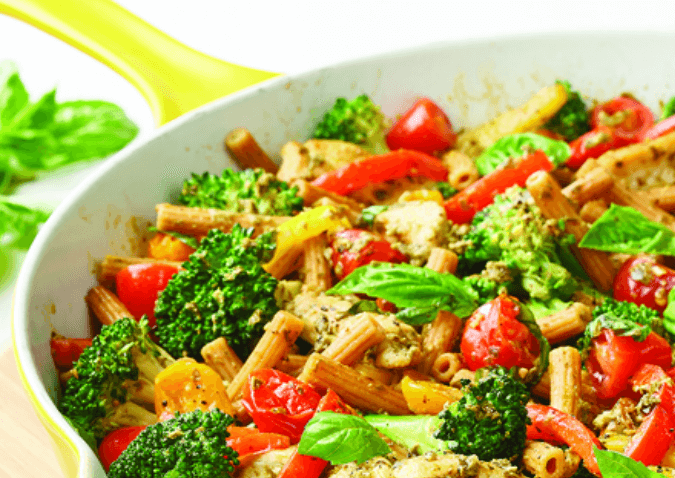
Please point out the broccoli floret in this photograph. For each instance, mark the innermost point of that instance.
(625, 319)
(572, 120)
(668, 109)
(221, 291)
(358, 121)
(514, 232)
(112, 382)
(495, 278)
(190, 445)
(490, 420)
(251, 190)
(446, 190)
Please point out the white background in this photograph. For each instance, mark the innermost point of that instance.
(289, 37)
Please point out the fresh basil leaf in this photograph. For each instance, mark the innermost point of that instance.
(38, 115)
(13, 94)
(526, 317)
(669, 313)
(624, 230)
(517, 145)
(616, 465)
(341, 438)
(409, 286)
(418, 315)
(411, 431)
(19, 224)
(363, 306)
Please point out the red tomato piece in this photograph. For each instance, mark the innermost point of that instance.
(593, 144)
(627, 117)
(66, 351)
(659, 129)
(652, 439)
(463, 206)
(278, 403)
(353, 248)
(114, 443)
(644, 282)
(557, 427)
(494, 336)
(138, 286)
(251, 442)
(424, 127)
(382, 167)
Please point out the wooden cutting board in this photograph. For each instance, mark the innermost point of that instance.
(25, 447)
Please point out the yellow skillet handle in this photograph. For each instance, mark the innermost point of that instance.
(172, 77)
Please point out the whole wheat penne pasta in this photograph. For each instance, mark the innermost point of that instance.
(544, 460)
(438, 337)
(640, 201)
(591, 186)
(462, 170)
(105, 305)
(218, 355)
(247, 152)
(527, 117)
(542, 389)
(310, 194)
(463, 374)
(291, 364)
(111, 265)
(442, 260)
(280, 335)
(355, 336)
(592, 210)
(572, 461)
(315, 266)
(566, 323)
(357, 390)
(565, 367)
(663, 197)
(446, 366)
(548, 195)
(376, 373)
(198, 222)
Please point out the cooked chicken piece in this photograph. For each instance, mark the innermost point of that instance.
(267, 465)
(316, 157)
(402, 346)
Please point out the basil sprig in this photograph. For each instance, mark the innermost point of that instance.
(526, 317)
(418, 292)
(625, 230)
(616, 465)
(517, 145)
(341, 438)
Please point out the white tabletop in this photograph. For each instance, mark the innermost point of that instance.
(289, 37)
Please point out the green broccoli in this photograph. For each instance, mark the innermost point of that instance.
(358, 121)
(668, 109)
(490, 282)
(572, 120)
(221, 291)
(112, 382)
(446, 190)
(490, 420)
(625, 319)
(190, 445)
(513, 231)
(251, 190)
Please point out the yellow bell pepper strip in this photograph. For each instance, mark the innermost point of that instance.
(187, 385)
(292, 234)
(425, 397)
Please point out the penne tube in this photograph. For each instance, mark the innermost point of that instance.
(376, 373)
(565, 367)
(548, 195)
(220, 357)
(565, 324)
(105, 305)
(247, 152)
(640, 201)
(592, 210)
(663, 197)
(446, 366)
(544, 460)
(111, 265)
(292, 364)
(357, 390)
(355, 336)
(463, 374)
(442, 260)
(198, 222)
(316, 268)
(543, 388)
(462, 170)
(280, 335)
(591, 186)
(437, 338)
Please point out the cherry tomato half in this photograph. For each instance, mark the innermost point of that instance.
(494, 336)
(354, 248)
(424, 127)
(114, 443)
(593, 144)
(66, 351)
(627, 117)
(138, 286)
(642, 281)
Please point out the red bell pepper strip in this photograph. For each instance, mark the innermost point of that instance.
(552, 425)
(279, 403)
(249, 443)
(66, 351)
(305, 466)
(659, 129)
(462, 207)
(382, 167)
